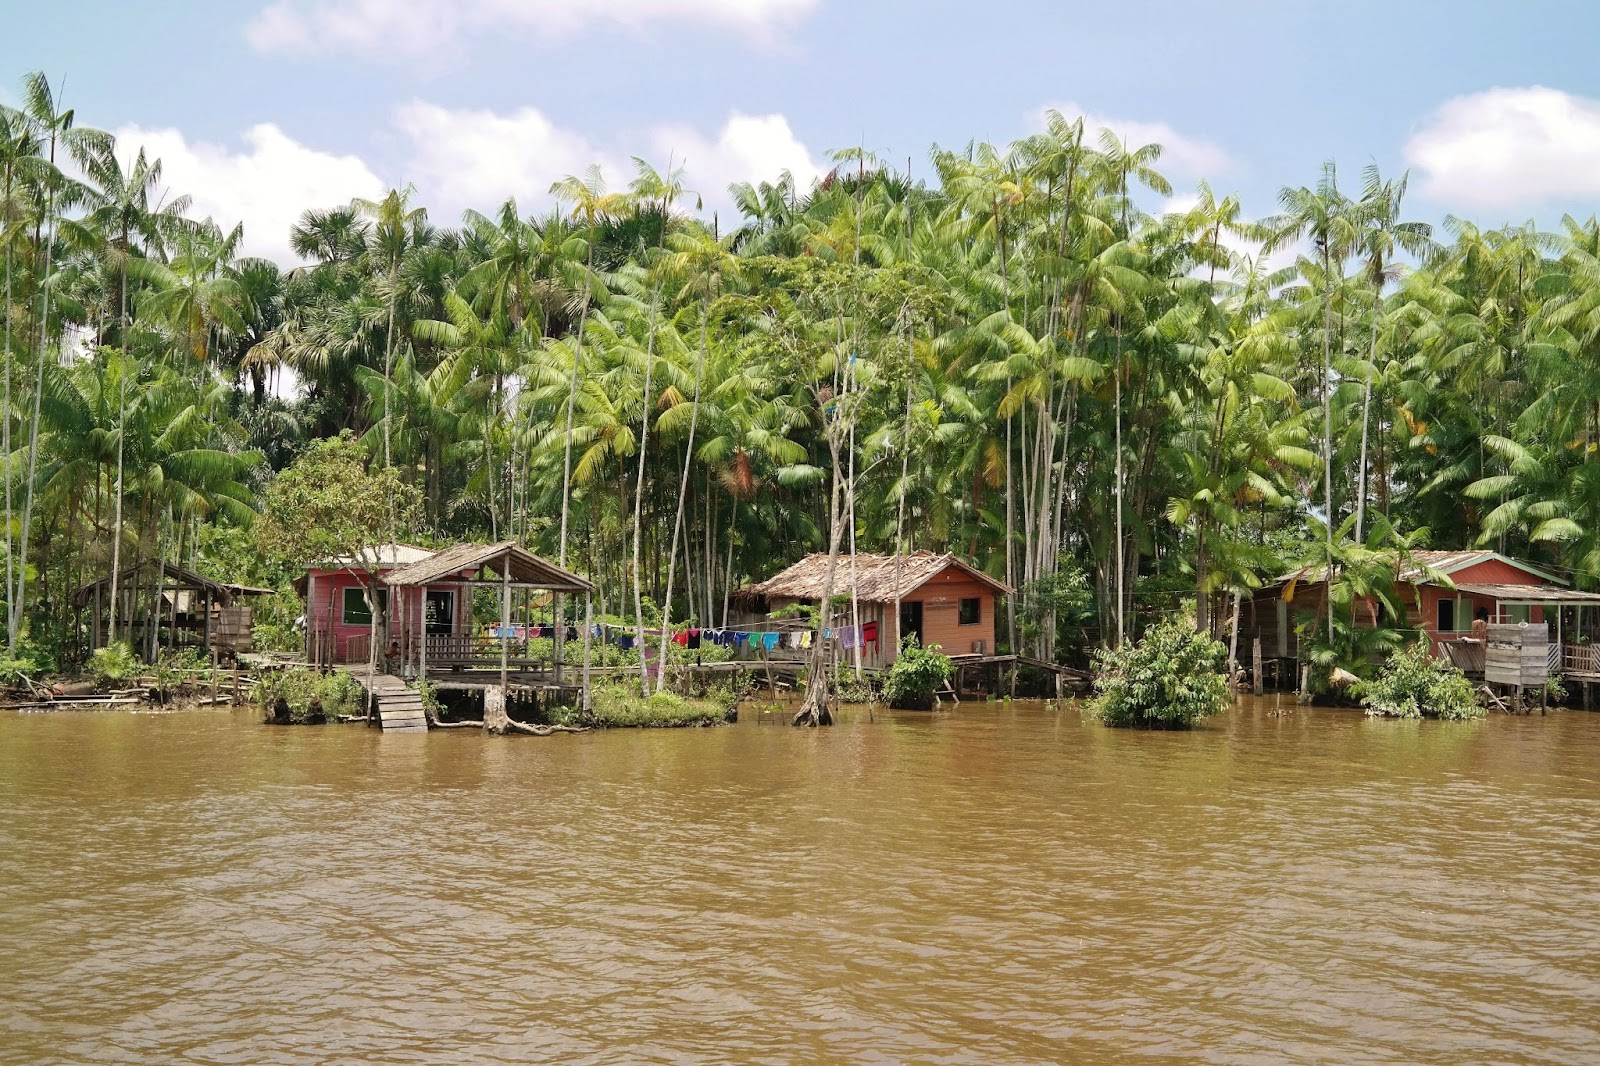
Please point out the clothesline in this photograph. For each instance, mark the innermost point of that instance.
(693, 638)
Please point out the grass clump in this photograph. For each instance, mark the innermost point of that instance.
(1170, 679)
(1418, 684)
(618, 705)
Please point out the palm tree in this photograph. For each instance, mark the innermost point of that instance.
(1382, 235)
(1323, 214)
(60, 193)
(121, 210)
(590, 202)
(394, 230)
(702, 261)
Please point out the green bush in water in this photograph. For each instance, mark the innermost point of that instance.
(309, 695)
(916, 675)
(114, 663)
(1169, 680)
(1415, 683)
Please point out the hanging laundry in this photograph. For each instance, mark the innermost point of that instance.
(805, 639)
(739, 639)
(694, 640)
(869, 634)
(625, 643)
(769, 641)
(681, 638)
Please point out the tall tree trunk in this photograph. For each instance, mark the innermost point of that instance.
(15, 620)
(638, 492)
(683, 492)
(1366, 408)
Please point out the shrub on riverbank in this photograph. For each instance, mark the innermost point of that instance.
(305, 696)
(114, 664)
(618, 705)
(1418, 684)
(917, 674)
(1169, 680)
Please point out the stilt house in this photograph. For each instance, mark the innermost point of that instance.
(942, 600)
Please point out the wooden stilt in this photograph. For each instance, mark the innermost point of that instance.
(588, 638)
(1258, 682)
(505, 617)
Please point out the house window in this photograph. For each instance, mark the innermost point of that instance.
(971, 612)
(1447, 616)
(354, 610)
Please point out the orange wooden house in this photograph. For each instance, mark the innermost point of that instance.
(943, 600)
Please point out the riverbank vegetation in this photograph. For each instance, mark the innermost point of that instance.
(917, 676)
(1170, 678)
(1414, 683)
(1114, 396)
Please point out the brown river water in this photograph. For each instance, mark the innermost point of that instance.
(998, 884)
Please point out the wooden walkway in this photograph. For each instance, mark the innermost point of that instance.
(399, 708)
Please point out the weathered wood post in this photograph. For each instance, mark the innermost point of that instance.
(94, 624)
(422, 653)
(1258, 682)
(505, 617)
(588, 637)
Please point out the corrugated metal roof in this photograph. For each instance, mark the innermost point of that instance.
(1530, 593)
(879, 578)
(384, 556)
(526, 569)
(1446, 562)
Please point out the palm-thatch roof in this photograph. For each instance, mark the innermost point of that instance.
(464, 562)
(879, 578)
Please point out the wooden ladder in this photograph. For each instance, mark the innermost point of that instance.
(399, 708)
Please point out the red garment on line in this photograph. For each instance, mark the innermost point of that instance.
(681, 639)
(870, 632)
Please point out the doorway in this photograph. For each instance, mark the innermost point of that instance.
(911, 619)
(441, 612)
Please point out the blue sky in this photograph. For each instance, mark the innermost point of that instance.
(263, 107)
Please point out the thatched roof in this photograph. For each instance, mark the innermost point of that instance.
(879, 578)
(526, 569)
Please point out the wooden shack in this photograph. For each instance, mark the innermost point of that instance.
(943, 600)
(163, 605)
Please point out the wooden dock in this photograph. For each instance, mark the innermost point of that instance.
(399, 706)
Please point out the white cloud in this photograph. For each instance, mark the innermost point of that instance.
(457, 158)
(751, 148)
(1509, 148)
(267, 185)
(477, 158)
(1180, 154)
(408, 28)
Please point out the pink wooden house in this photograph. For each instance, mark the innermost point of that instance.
(338, 621)
(1477, 584)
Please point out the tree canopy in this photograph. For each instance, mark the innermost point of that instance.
(1020, 358)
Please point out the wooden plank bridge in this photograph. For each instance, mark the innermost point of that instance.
(399, 706)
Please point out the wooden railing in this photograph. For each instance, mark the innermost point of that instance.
(358, 649)
(1580, 658)
(445, 649)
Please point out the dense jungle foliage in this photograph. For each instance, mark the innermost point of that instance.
(1022, 358)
